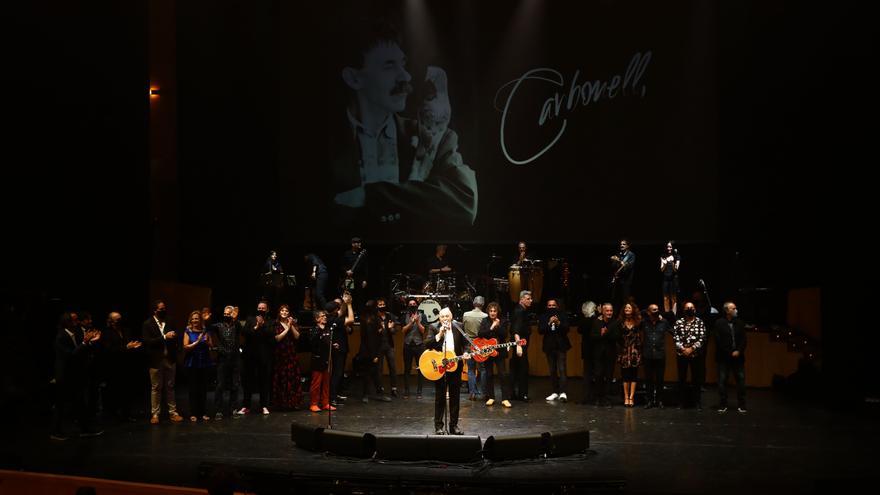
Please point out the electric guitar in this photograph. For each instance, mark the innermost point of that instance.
(489, 348)
(434, 364)
(348, 283)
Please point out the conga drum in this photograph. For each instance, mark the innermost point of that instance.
(536, 282)
(514, 282)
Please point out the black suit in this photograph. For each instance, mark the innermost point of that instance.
(447, 195)
(556, 346)
(452, 379)
(519, 366)
(72, 359)
(256, 359)
(727, 340)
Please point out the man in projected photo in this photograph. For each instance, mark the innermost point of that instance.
(390, 169)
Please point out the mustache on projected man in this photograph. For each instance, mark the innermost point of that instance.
(389, 169)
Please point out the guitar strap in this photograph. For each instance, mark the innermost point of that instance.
(463, 334)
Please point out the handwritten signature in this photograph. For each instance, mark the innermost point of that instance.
(578, 95)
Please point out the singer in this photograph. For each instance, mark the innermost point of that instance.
(447, 335)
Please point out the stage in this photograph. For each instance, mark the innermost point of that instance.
(778, 445)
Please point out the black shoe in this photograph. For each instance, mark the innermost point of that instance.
(91, 433)
(525, 398)
(742, 409)
(385, 398)
(455, 431)
(58, 436)
(393, 392)
(659, 405)
(365, 400)
(439, 430)
(699, 407)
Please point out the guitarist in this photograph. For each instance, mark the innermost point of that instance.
(623, 266)
(355, 271)
(495, 327)
(447, 335)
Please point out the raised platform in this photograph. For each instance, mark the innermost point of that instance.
(777, 445)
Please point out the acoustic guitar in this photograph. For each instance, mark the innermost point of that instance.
(434, 364)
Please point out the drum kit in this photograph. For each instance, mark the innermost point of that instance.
(456, 291)
(434, 293)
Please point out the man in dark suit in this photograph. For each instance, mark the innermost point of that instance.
(162, 344)
(447, 335)
(73, 354)
(553, 325)
(519, 359)
(730, 339)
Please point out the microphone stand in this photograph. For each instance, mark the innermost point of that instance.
(330, 379)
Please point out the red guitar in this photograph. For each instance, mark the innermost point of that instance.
(489, 348)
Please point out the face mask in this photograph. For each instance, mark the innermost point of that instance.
(261, 313)
(161, 313)
(227, 318)
(689, 312)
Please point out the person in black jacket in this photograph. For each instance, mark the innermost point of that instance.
(447, 335)
(603, 343)
(121, 351)
(519, 359)
(588, 309)
(655, 329)
(368, 355)
(340, 320)
(553, 325)
(73, 353)
(730, 340)
(256, 358)
(225, 338)
(162, 344)
(495, 327)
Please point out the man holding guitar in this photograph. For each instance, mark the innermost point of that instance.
(355, 271)
(447, 336)
(623, 264)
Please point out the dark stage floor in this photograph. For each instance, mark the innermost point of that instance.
(778, 445)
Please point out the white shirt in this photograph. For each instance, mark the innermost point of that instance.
(72, 336)
(162, 331)
(449, 340)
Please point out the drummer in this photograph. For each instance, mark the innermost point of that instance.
(522, 255)
(439, 263)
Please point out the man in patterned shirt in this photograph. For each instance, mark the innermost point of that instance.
(689, 335)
